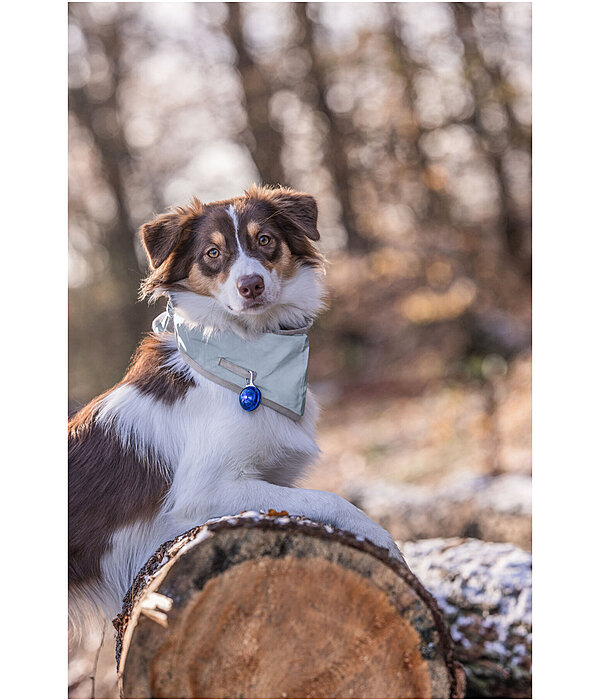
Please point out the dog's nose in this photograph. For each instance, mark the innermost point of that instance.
(251, 286)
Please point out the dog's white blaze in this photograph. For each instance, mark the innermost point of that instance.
(243, 266)
(234, 217)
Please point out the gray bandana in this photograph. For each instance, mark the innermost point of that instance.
(277, 362)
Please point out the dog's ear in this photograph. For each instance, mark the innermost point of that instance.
(296, 212)
(299, 211)
(161, 236)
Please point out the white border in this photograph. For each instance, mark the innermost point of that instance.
(566, 386)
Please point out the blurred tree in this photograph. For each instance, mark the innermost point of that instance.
(263, 141)
(335, 140)
(435, 209)
(99, 115)
(490, 90)
(105, 321)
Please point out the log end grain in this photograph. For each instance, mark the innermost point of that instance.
(254, 607)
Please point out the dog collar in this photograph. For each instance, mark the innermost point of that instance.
(270, 371)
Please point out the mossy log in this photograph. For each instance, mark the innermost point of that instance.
(257, 606)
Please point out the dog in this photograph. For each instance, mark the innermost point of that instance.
(168, 447)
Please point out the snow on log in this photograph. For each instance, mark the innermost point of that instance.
(484, 591)
(490, 508)
(272, 606)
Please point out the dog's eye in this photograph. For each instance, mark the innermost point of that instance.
(213, 253)
(264, 239)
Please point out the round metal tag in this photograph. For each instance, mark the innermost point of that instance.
(250, 398)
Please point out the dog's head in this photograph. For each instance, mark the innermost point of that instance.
(247, 262)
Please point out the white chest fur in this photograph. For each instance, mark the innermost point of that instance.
(206, 439)
(208, 443)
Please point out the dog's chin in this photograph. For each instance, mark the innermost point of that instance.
(255, 315)
(254, 308)
(261, 317)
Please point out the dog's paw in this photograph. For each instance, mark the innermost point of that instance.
(388, 543)
(364, 528)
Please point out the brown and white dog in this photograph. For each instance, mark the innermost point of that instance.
(167, 449)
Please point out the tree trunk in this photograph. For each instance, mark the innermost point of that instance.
(436, 209)
(272, 606)
(114, 313)
(102, 119)
(490, 508)
(486, 85)
(263, 140)
(335, 145)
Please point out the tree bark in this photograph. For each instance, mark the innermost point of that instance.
(273, 606)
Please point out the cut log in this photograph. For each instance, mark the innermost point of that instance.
(484, 591)
(258, 606)
(490, 508)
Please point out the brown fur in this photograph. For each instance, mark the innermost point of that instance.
(253, 228)
(148, 374)
(200, 284)
(110, 486)
(218, 239)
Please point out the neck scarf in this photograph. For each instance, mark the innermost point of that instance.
(270, 371)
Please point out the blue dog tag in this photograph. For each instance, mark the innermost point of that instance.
(250, 395)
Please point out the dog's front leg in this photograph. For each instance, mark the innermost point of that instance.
(323, 506)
